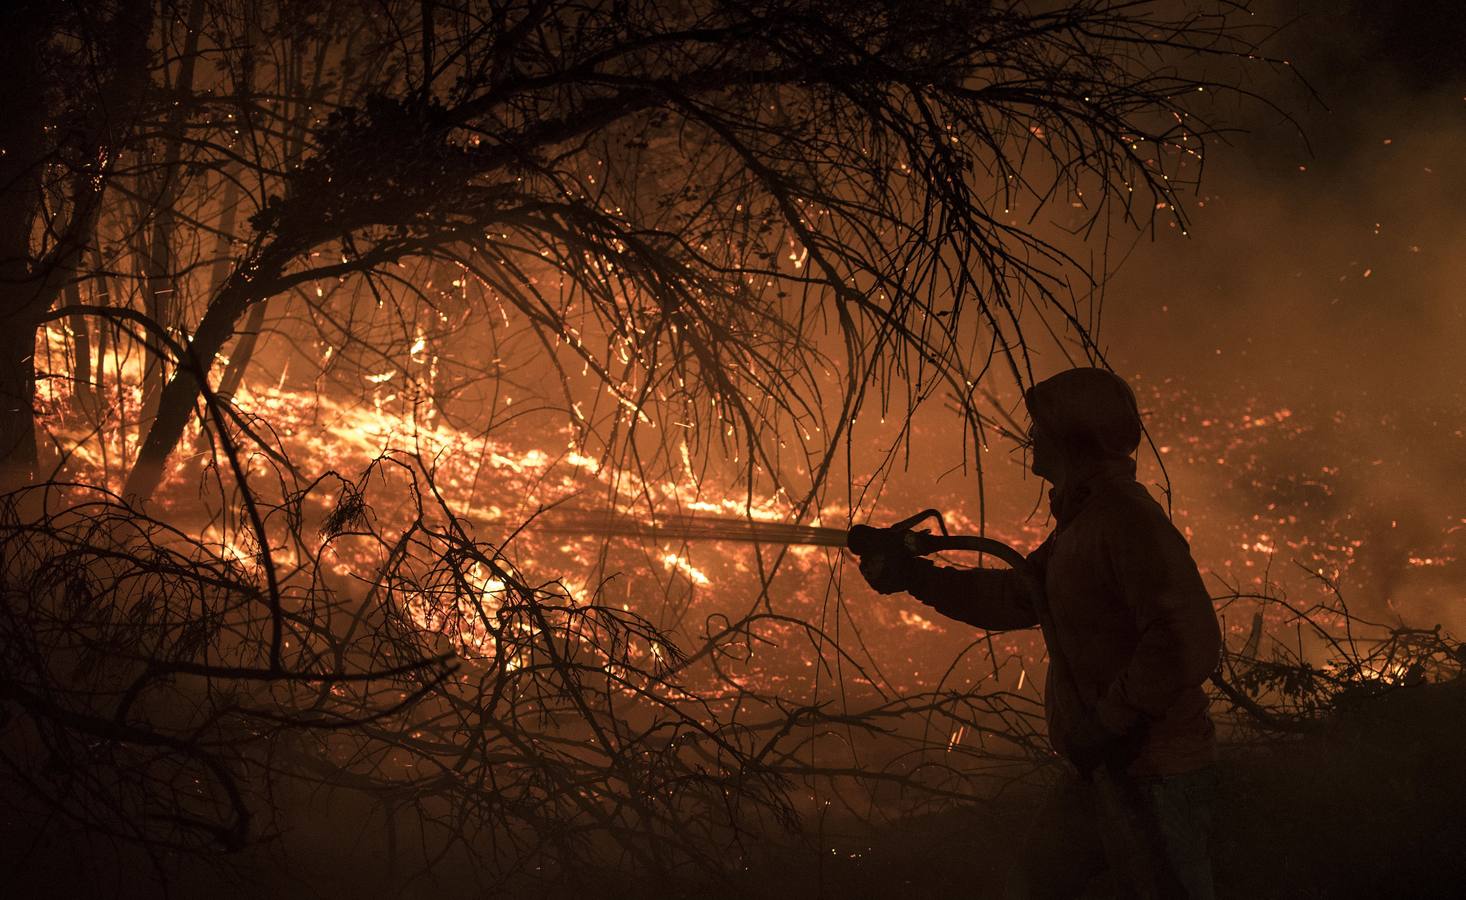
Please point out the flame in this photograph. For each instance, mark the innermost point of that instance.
(676, 563)
(956, 737)
(500, 478)
(917, 621)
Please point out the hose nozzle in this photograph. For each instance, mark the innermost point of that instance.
(865, 540)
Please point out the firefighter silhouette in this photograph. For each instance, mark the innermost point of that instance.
(1132, 637)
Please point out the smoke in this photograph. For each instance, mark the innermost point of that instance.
(1324, 274)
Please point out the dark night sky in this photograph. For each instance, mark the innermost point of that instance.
(1328, 276)
(1331, 263)
(1325, 273)
(1333, 266)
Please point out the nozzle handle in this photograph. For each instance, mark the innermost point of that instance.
(865, 540)
(898, 538)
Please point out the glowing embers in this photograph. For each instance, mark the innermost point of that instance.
(916, 620)
(956, 738)
(674, 562)
(463, 608)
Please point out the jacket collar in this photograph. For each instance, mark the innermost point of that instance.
(1084, 478)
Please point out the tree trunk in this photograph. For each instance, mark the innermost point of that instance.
(249, 337)
(244, 351)
(81, 353)
(161, 299)
(158, 294)
(254, 280)
(239, 359)
(176, 401)
(102, 297)
(29, 286)
(17, 415)
(22, 136)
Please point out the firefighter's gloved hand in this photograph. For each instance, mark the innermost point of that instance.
(1091, 746)
(890, 573)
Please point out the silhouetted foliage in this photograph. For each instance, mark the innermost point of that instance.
(756, 220)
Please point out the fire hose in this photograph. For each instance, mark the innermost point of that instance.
(862, 540)
(865, 540)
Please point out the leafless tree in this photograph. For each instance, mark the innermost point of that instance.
(755, 219)
(76, 76)
(640, 174)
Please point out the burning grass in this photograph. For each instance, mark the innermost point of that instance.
(395, 644)
(484, 729)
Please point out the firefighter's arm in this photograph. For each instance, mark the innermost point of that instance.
(1179, 639)
(994, 599)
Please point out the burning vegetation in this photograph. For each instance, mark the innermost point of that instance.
(428, 430)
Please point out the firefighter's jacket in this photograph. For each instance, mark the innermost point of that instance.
(1129, 611)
